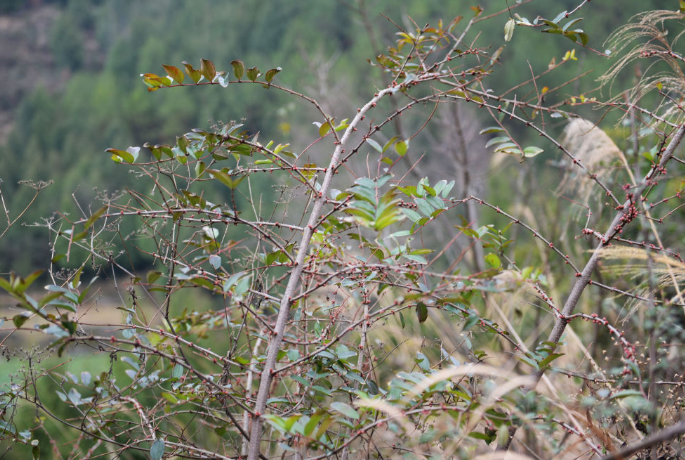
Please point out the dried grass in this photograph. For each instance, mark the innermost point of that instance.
(662, 265)
(647, 35)
(595, 149)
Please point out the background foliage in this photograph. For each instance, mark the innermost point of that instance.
(98, 49)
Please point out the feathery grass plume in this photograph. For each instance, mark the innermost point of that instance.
(648, 36)
(662, 266)
(595, 149)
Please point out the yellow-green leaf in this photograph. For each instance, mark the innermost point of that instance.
(91, 220)
(253, 73)
(121, 155)
(324, 128)
(271, 74)
(194, 74)
(238, 68)
(401, 147)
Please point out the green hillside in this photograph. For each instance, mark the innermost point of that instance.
(79, 92)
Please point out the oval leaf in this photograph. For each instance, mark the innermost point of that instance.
(195, 75)
(238, 68)
(208, 70)
(121, 155)
(157, 450)
(215, 261)
(324, 128)
(422, 312)
(346, 410)
(532, 151)
(253, 73)
(175, 73)
(401, 147)
(271, 74)
(374, 144)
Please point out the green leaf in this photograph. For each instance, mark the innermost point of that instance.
(208, 70)
(270, 74)
(153, 276)
(225, 178)
(323, 128)
(238, 68)
(175, 73)
(389, 143)
(309, 170)
(626, 393)
(447, 189)
(493, 260)
(545, 362)
(312, 423)
(491, 129)
(496, 140)
(411, 214)
(301, 380)
(215, 261)
(121, 155)
(253, 73)
(488, 438)
(559, 17)
(425, 208)
(152, 81)
(7, 427)
(242, 286)
(530, 152)
(571, 23)
(422, 361)
(25, 283)
(471, 321)
(422, 312)
(583, 38)
(401, 147)
(529, 361)
(200, 168)
(76, 280)
(374, 144)
(169, 397)
(157, 450)
(91, 220)
(194, 74)
(345, 409)
(20, 319)
(177, 371)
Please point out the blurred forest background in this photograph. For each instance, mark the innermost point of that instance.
(71, 85)
(71, 88)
